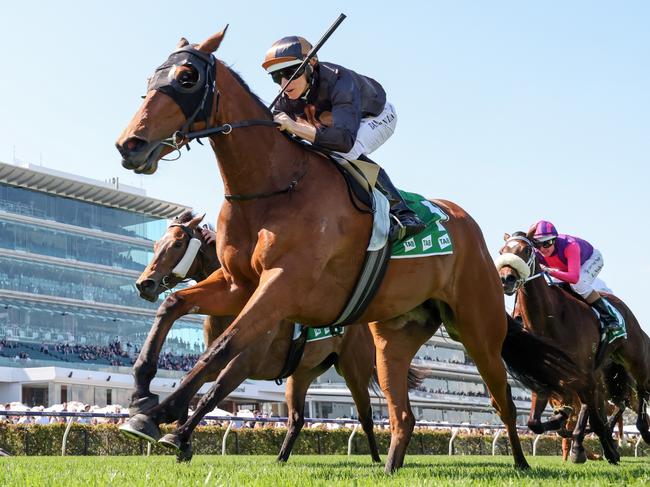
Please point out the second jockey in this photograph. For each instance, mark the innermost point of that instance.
(338, 109)
(575, 261)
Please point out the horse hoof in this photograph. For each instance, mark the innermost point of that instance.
(613, 458)
(184, 455)
(141, 427)
(171, 441)
(578, 455)
(143, 404)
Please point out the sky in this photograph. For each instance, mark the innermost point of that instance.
(517, 111)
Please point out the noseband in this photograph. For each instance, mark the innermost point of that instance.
(183, 265)
(530, 263)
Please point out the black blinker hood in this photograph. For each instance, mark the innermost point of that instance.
(194, 101)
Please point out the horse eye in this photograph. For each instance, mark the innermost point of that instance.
(188, 77)
(178, 244)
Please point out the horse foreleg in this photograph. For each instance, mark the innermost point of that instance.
(578, 454)
(263, 312)
(230, 378)
(617, 415)
(642, 422)
(595, 405)
(213, 294)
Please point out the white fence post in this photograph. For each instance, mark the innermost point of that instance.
(64, 443)
(454, 433)
(354, 431)
(225, 437)
(148, 449)
(535, 444)
(494, 442)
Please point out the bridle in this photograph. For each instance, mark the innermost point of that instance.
(188, 256)
(530, 262)
(198, 102)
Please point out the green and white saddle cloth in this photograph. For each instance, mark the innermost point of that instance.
(316, 334)
(621, 331)
(433, 240)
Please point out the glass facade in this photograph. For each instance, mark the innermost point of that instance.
(33, 318)
(68, 245)
(79, 213)
(69, 282)
(38, 323)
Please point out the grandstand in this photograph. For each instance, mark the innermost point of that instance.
(71, 322)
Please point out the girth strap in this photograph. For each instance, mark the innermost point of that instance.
(294, 355)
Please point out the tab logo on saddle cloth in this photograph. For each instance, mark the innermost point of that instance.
(433, 240)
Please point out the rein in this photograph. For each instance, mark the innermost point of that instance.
(209, 97)
(253, 196)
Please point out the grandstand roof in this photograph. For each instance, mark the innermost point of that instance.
(110, 193)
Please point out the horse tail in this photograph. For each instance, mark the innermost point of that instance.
(536, 363)
(416, 376)
(618, 383)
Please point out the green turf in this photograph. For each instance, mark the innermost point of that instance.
(313, 470)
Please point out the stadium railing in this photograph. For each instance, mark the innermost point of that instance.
(455, 428)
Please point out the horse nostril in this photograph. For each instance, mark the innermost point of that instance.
(131, 145)
(147, 284)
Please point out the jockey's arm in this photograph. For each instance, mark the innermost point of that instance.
(301, 129)
(572, 274)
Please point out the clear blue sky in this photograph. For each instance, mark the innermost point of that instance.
(515, 110)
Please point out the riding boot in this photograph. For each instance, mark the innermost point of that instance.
(612, 332)
(409, 222)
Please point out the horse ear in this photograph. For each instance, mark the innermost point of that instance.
(182, 43)
(194, 222)
(506, 236)
(212, 43)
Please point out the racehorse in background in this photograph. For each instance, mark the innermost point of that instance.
(555, 313)
(618, 389)
(292, 245)
(352, 353)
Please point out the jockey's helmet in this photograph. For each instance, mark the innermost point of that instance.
(286, 53)
(544, 230)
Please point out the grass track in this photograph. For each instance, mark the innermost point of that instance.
(301, 471)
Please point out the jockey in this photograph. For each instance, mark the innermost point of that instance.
(577, 262)
(338, 109)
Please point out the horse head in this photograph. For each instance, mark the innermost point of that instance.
(516, 262)
(175, 257)
(180, 95)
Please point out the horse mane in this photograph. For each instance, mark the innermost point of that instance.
(244, 85)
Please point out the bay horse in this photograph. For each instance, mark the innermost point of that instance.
(291, 245)
(555, 313)
(352, 353)
(618, 391)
